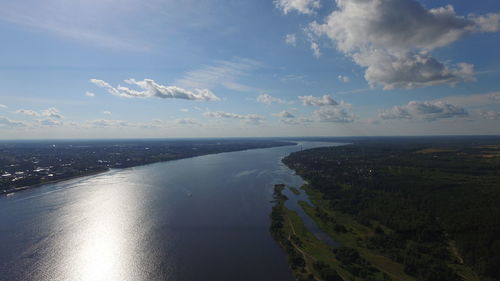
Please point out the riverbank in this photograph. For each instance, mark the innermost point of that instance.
(8, 192)
(308, 257)
(31, 177)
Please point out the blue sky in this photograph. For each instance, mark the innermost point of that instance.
(214, 68)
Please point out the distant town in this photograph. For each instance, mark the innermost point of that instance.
(29, 163)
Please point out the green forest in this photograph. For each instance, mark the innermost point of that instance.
(431, 206)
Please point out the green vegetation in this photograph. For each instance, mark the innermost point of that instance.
(309, 258)
(407, 210)
(294, 190)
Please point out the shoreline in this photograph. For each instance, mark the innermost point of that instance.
(7, 192)
(11, 191)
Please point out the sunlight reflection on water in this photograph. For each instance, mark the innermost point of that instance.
(203, 218)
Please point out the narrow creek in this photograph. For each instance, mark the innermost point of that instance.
(293, 204)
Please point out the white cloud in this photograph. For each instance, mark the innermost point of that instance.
(49, 122)
(300, 6)
(152, 89)
(315, 49)
(9, 123)
(391, 39)
(316, 101)
(187, 121)
(410, 70)
(284, 114)
(27, 112)
(490, 115)
(3, 106)
(343, 78)
(427, 110)
(106, 123)
(248, 118)
(222, 73)
(397, 112)
(336, 114)
(89, 94)
(268, 99)
(184, 110)
(50, 113)
(106, 112)
(487, 23)
(291, 39)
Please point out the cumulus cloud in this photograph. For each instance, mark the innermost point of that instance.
(107, 123)
(50, 113)
(187, 121)
(49, 122)
(89, 94)
(151, 89)
(397, 112)
(410, 70)
(336, 114)
(284, 114)
(490, 115)
(9, 123)
(300, 6)
(318, 101)
(392, 40)
(268, 99)
(427, 110)
(315, 49)
(343, 78)
(248, 118)
(27, 112)
(288, 118)
(291, 39)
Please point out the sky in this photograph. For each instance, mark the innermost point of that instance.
(260, 68)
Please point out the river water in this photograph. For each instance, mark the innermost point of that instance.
(202, 218)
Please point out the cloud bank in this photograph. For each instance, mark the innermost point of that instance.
(50, 113)
(427, 110)
(248, 118)
(490, 115)
(9, 123)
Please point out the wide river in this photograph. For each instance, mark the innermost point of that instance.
(202, 218)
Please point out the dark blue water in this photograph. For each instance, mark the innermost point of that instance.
(203, 218)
